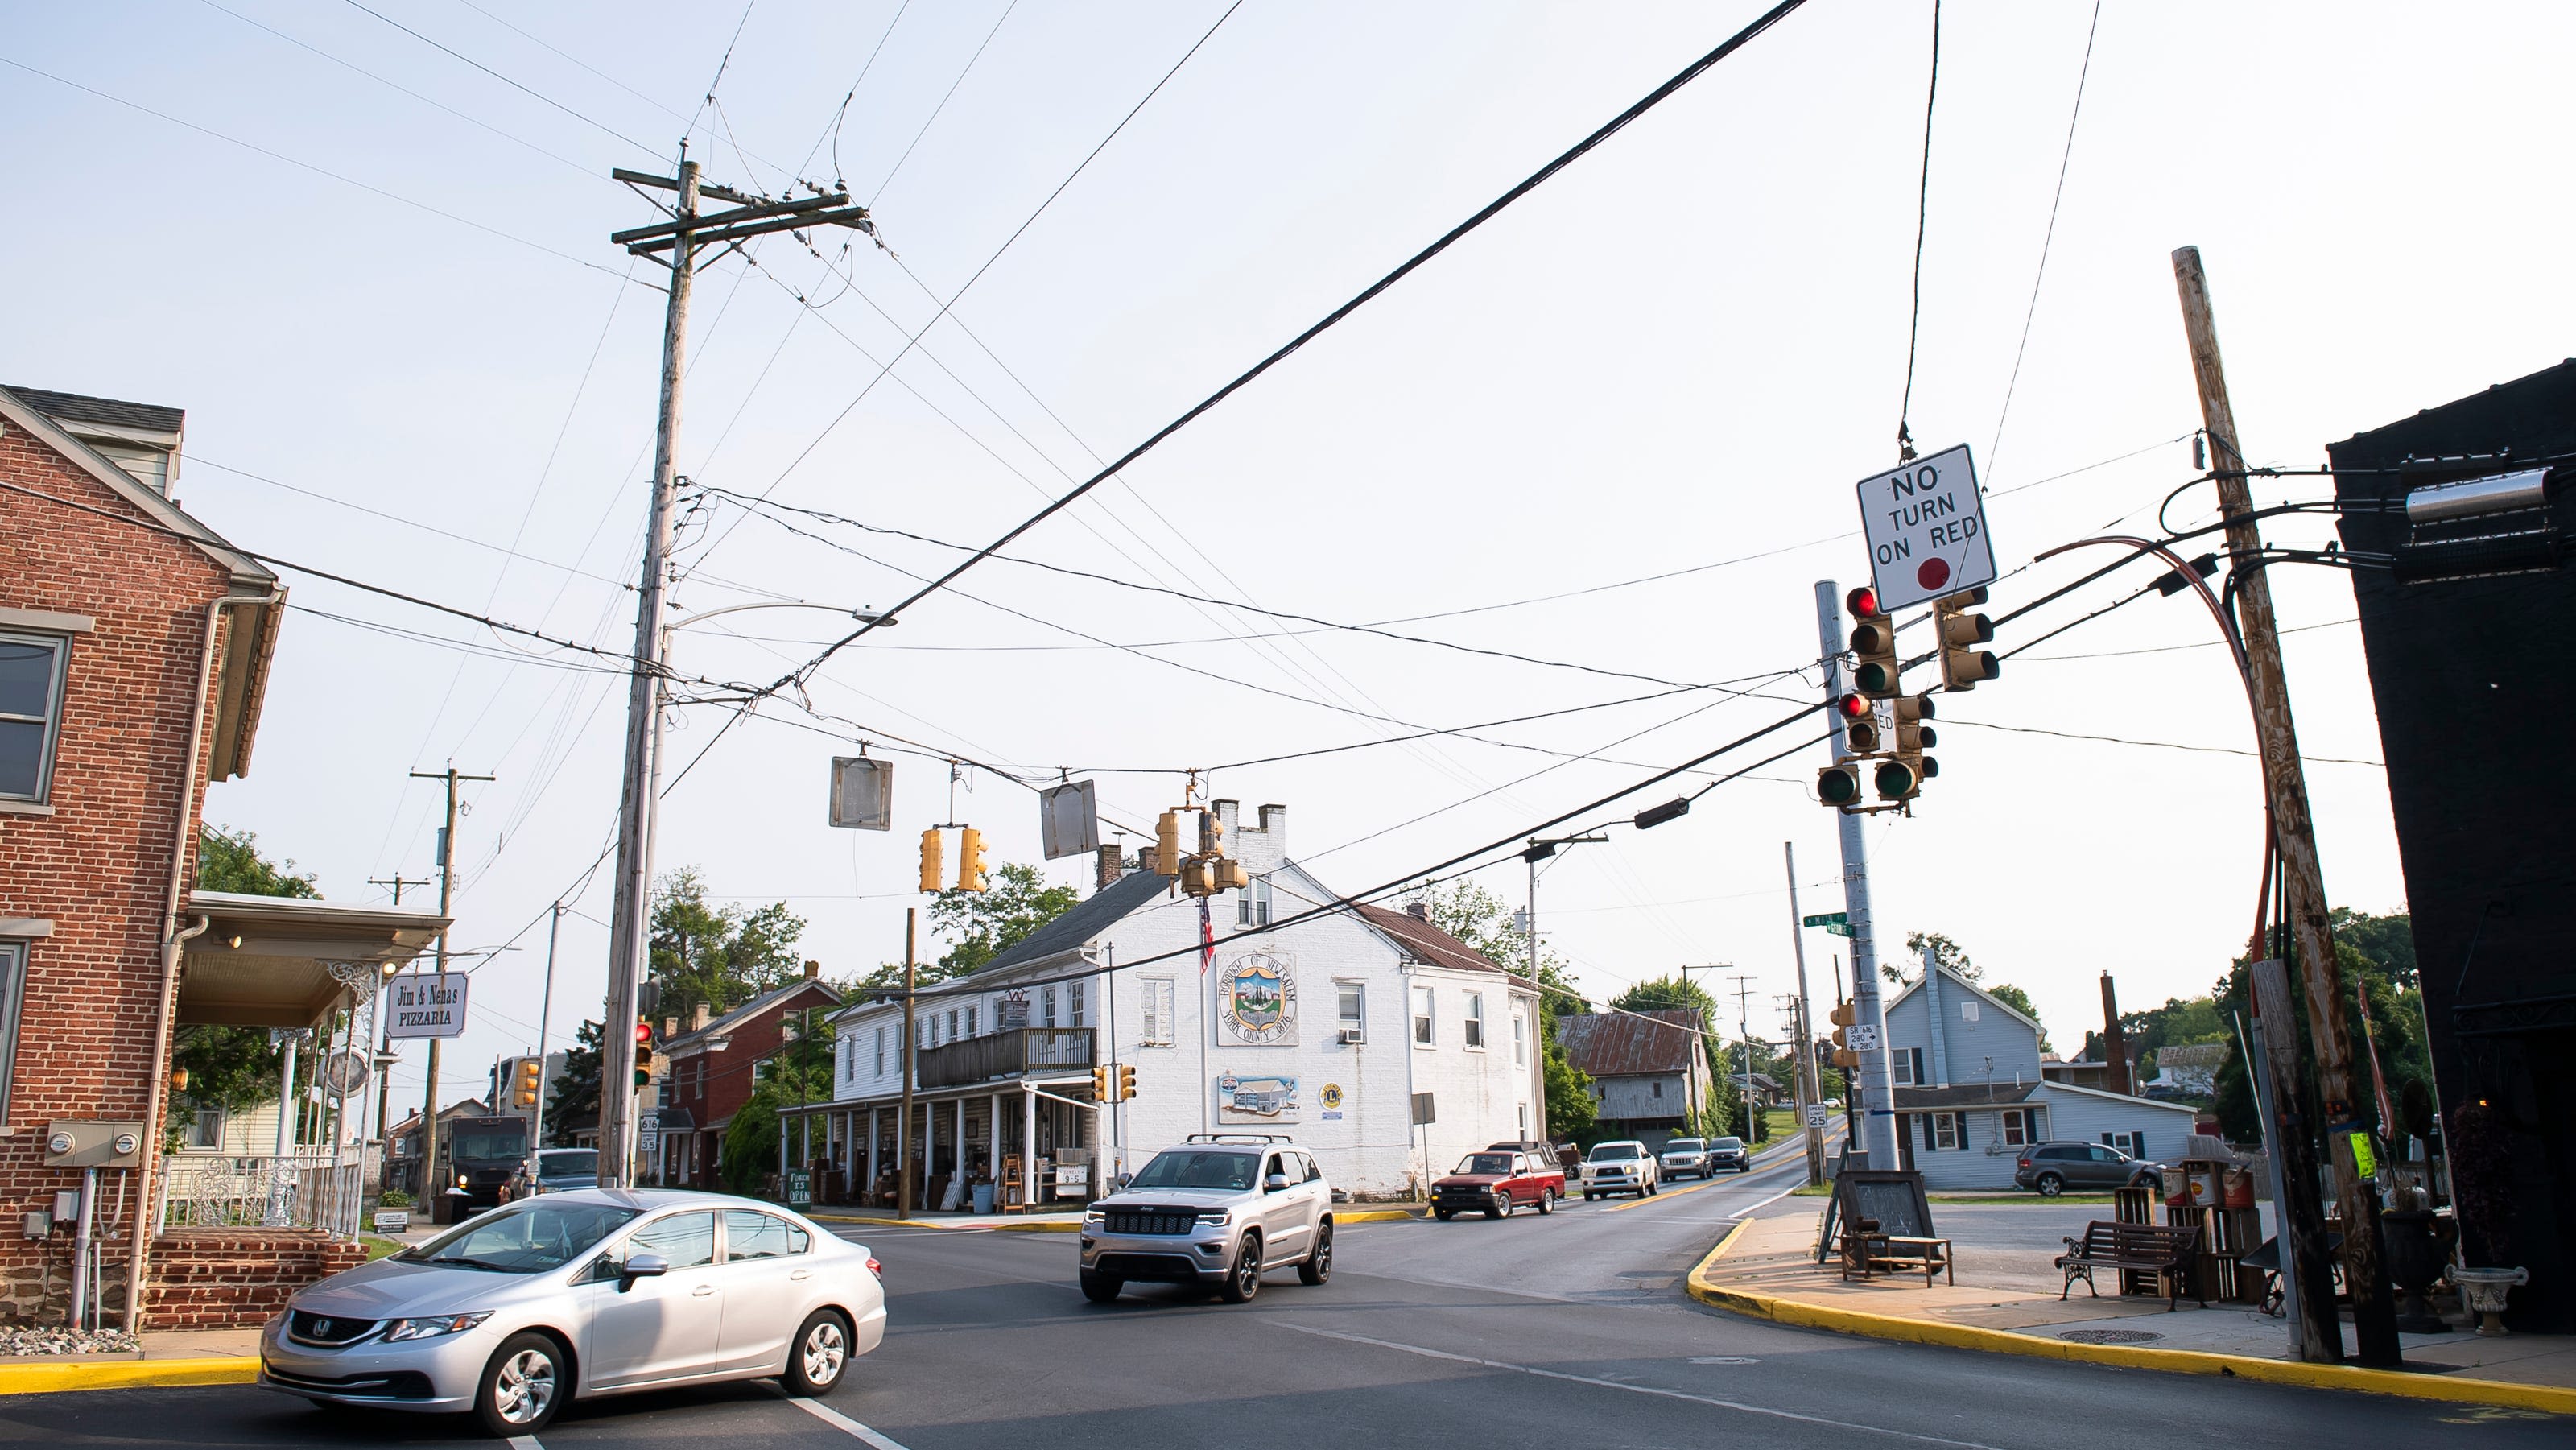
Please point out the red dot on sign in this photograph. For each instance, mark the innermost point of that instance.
(1933, 574)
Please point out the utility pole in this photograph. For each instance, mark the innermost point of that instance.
(545, 1019)
(903, 1119)
(2294, 836)
(1744, 1029)
(1810, 1086)
(1869, 1015)
(1708, 1030)
(385, 1042)
(430, 1188)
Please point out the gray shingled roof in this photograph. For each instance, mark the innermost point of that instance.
(106, 412)
(1963, 1095)
(752, 1008)
(1106, 907)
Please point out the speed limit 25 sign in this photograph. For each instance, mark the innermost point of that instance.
(1926, 526)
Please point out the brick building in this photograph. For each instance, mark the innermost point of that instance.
(712, 1065)
(134, 652)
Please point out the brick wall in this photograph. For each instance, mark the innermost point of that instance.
(236, 1279)
(98, 867)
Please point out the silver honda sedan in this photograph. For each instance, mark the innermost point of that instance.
(591, 1292)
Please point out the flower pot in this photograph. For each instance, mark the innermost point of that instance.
(2483, 1290)
(2414, 1261)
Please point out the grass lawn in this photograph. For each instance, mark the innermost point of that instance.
(378, 1246)
(1783, 1123)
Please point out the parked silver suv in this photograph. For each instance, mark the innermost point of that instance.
(1219, 1210)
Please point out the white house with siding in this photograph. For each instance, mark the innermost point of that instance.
(1339, 1032)
(1970, 1095)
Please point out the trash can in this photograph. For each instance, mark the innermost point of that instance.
(983, 1198)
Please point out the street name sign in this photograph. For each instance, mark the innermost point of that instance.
(1926, 526)
(431, 1005)
(1827, 918)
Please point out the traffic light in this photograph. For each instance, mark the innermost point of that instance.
(1859, 715)
(1873, 640)
(531, 1081)
(1100, 1084)
(1126, 1081)
(1838, 784)
(1901, 775)
(645, 1066)
(1843, 1017)
(970, 860)
(1954, 628)
(1211, 834)
(932, 861)
(1167, 844)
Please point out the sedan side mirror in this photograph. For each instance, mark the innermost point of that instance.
(640, 1266)
(1275, 1183)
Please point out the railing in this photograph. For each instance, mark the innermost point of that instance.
(1007, 1054)
(307, 1190)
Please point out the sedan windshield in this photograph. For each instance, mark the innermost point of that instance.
(1182, 1168)
(1615, 1152)
(1485, 1163)
(543, 1235)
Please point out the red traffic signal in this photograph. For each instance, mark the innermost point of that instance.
(643, 1033)
(1862, 602)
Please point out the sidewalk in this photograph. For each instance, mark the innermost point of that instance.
(1765, 1267)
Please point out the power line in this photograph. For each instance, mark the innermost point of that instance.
(531, 91)
(2047, 237)
(1922, 225)
(1403, 270)
(878, 195)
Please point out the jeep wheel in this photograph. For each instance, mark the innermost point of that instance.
(1319, 1263)
(1244, 1279)
(1101, 1288)
(2050, 1185)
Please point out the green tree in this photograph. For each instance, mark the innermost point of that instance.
(2387, 940)
(233, 1068)
(1017, 901)
(1945, 951)
(799, 1072)
(2018, 1000)
(2395, 1029)
(576, 1089)
(721, 955)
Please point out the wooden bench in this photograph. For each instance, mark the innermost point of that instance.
(1867, 1252)
(2147, 1248)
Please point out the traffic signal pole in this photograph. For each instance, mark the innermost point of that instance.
(2374, 1311)
(1869, 1026)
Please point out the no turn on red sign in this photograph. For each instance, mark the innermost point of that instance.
(1926, 525)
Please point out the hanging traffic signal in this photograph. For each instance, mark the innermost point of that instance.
(1875, 668)
(1126, 1081)
(1838, 784)
(1211, 834)
(1859, 715)
(1954, 629)
(531, 1081)
(1167, 844)
(970, 860)
(932, 861)
(1100, 1084)
(1913, 737)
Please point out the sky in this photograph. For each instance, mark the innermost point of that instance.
(1616, 430)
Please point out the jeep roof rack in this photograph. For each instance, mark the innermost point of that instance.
(1239, 1138)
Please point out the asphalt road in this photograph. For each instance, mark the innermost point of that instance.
(1564, 1330)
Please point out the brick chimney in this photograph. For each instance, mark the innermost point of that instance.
(697, 1016)
(1419, 910)
(2115, 1043)
(813, 971)
(1109, 868)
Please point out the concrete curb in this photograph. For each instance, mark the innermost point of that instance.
(1704, 1287)
(130, 1374)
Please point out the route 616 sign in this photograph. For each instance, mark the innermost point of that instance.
(1257, 993)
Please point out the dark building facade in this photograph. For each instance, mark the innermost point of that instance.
(2470, 638)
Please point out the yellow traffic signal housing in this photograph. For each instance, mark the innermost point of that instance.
(1955, 629)
(1167, 844)
(1912, 735)
(1198, 877)
(1232, 875)
(933, 874)
(532, 1073)
(1126, 1081)
(1843, 1015)
(1859, 717)
(1901, 777)
(1845, 1057)
(1875, 668)
(970, 860)
(1211, 834)
(1838, 784)
(1100, 1084)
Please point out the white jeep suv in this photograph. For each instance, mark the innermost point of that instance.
(1219, 1210)
(1620, 1166)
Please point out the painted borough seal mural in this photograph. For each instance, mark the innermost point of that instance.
(1257, 995)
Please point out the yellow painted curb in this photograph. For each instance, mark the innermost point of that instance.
(1377, 1215)
(1705, 1288)
(126, 1374)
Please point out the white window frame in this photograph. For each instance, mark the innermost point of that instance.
(51, 721)
(970, 1020)
(1252, 907)
(1520, 1047)
(1426, 1029)
(1046, 1005)
(2019, 1127)
(881, 1037)
(1475, 1022)
(1160, 997)
(1949, 1131)
(199, 1140)
(1073, 999)
(1905, 1067)
(1347, 993)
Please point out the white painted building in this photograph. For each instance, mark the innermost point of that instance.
(1330, 1031)
(1970, 1094)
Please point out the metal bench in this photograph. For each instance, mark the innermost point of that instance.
(2165, 1251)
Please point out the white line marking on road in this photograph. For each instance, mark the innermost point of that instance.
(1610, 1384)
(525, 1442)
(837, 1420)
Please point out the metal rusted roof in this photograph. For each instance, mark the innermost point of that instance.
(1630, 1044)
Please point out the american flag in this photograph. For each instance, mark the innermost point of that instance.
(1207, 938)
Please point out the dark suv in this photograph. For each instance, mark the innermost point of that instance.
(2053, 1168)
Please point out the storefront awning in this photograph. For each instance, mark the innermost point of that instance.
(269, 961)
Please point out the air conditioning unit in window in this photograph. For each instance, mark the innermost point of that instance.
(1354, 1035)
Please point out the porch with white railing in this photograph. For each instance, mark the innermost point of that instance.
(312, 1188)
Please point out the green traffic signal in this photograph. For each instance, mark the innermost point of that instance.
(1838, 785)
(1897, 780)
(641, 1079)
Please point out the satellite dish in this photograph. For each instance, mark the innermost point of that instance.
(346, 1073)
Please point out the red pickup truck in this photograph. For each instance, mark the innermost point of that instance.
(1500, 1179)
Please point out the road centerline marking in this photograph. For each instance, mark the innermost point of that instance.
(839, 1421)
(1611, 1384)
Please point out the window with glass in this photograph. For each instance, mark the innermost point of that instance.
(751, 1234)
(1353, 1009)
(1046, 1006)
(31, 708)
(1252, 907)
(1422, 1034)
(1945, 1131)
(952, 1024)
(970, 1019)
(13, 983)
(880, 1072)
(1073, 995)
(684, 1240)
(1520, 1039)
(530, 1238)
(2017, 1127)
(1475, 1019)
(204, 1126)
(1159, 997)
(1906, 1063)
